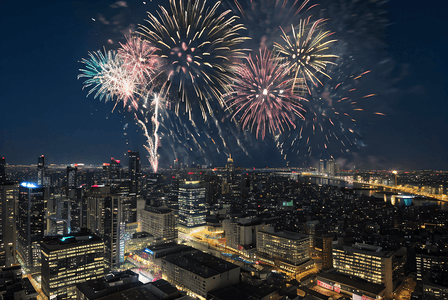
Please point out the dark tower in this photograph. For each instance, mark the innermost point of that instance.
(134, 172)
(74, 202)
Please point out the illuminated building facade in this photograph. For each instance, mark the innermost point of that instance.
(41, 170)
(328, 166)
(30, 225)
(191, 199)
(370, 263)
(427, 260)
(69, 260)
(159, 222)
(288, 250)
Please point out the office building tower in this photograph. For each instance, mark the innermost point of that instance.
(30, 225)
(41, 170)
(160, 223)
(104, 217)
(191, 199)
(229, 170)
(370, 263)
(290, 251)
(134, 172)
(328, 167)
(73, 201)
(69, 260)
(113, 229)
(72, 180)
(2, 169)
(199, 272)
(8, 196)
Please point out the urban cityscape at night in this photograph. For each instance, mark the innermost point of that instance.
(215, 150)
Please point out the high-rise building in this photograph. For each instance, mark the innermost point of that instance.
(370, 263)
(229, 170)
(30, 225)
(112, 231)
(327, 251)
(328, 166)
(134, 172)
(73, 202)
(69, 260)
(41, 170)
(8, 196)
(159, 222)
(191, 199)
(104, 217)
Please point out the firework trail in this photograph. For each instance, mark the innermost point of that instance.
(199, 45)
(305, 49)
(153, 139)
(264, 18)
(262, 95)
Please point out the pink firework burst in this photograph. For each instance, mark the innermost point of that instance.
(262, 96)
(139, 59)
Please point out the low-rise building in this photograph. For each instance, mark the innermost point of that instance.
(160, 222)
(289, 251)
(199, 273)
(370, 263)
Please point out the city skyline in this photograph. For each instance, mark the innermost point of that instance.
(46, 112)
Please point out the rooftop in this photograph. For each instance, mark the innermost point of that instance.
(202, 264)
(288, 235)
(53, 243)
(355, 282)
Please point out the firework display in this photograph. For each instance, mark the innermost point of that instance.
(206, 80)
(263, 95)
(198, 45)
(305, 50)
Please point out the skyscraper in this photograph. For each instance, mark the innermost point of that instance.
(73, 202)
(192, 211)
(41, 170)
(104, 217)
(8, 195)
(134, 172)
(30, 225)
(69, 260)
(328, 166)
(112, 227)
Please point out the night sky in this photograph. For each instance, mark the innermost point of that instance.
(45, 111)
